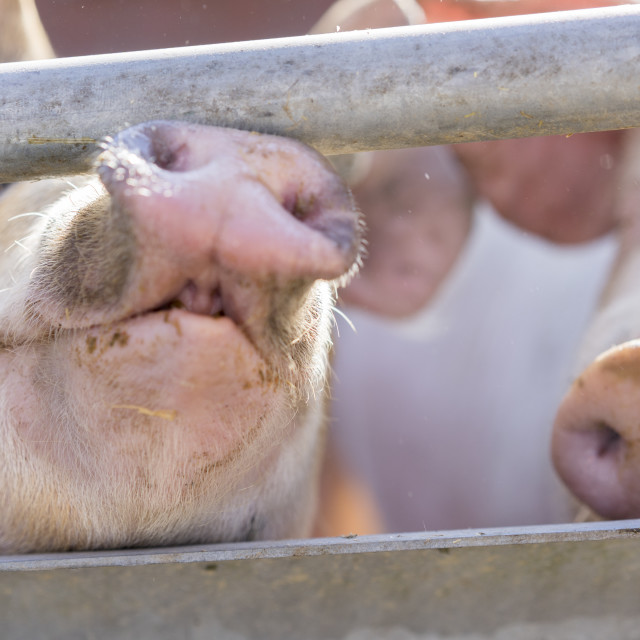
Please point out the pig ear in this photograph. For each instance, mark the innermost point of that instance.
(22, 36)
(349, 15)
(417, 207)
(558, 187)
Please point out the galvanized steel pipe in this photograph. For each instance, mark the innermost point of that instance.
(434, 84)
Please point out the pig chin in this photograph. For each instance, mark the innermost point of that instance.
(165, 428)
(174, 427)
(175, 370)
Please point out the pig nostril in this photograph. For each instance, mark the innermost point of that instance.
(299, 211)
(299, 208)
(608, 440)
(169, 158)
(591, 458)
(164, 160)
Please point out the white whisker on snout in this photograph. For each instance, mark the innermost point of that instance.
(346, 318)
(29, 213)
(20, 244)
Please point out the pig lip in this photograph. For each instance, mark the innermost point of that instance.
(177, 304)
(184, 324)
(205, 299)
(195, 299)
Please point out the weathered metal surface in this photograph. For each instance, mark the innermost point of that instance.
(559, 582)
(499, 78)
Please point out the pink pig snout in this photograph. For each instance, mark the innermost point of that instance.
(279, 209)
(596, 439)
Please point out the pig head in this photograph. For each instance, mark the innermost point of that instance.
(165, 326)
(596, 438)
(165, 335)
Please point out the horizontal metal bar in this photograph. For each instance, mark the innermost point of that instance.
(561, 581)
(436, 84)
(347, 545)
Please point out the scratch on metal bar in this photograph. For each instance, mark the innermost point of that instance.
(41, 140)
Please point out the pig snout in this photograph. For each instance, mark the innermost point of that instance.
(166, 332)
(278, 214)
(596, 438)
(281, 211)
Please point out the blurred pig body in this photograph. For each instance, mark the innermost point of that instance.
(461, 439)
(165, 334)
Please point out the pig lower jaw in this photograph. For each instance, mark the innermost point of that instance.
(137, 475)
(275, 499)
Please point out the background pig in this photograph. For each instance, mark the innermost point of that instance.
(596, 432)
(458, 398)
(417, 201)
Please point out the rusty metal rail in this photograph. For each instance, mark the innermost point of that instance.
(511, 77)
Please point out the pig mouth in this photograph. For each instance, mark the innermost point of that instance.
(271, 318)
(195, 300)
(218, 295)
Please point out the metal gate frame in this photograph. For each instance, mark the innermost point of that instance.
(487, 79)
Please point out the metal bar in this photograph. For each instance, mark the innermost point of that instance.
(346, 545)
(563, 581)
(510, 77)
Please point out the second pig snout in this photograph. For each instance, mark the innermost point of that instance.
(596, 440)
